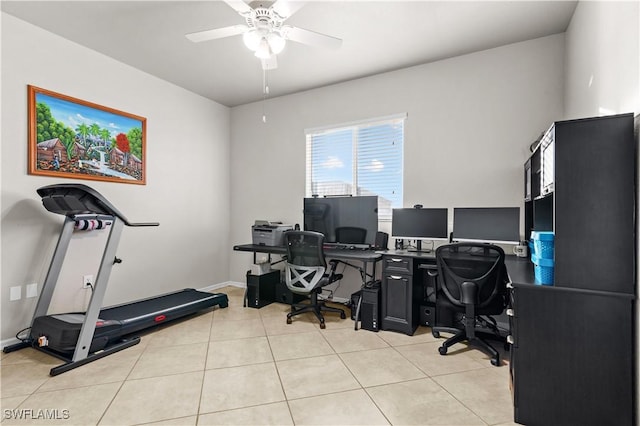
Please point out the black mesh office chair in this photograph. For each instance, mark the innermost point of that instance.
(306, 273)
(471, 280)
(351, 235)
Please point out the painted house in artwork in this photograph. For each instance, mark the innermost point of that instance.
(116, 156)
(134, 162)
(79, 150)
(49, 148)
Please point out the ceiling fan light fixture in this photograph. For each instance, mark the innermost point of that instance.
(252, 40)
(264, 50)
(276, 42)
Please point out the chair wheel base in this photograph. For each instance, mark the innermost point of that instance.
(289, 320)
(323, 325)
(495, 361)
(442, 350)
(343, 316)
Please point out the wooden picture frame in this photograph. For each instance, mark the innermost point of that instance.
(72, 138)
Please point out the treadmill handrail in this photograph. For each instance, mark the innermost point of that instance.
(72, 199)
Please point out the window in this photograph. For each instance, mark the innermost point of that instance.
(363, 158)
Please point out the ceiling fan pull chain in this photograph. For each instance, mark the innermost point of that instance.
(265, 92)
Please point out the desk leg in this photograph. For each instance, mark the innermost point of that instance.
(358, 312)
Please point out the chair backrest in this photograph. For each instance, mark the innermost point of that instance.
(351, 235)
(482, 264)
(305, 265)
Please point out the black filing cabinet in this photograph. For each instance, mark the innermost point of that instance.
(401, 300)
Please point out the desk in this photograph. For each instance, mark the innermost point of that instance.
(407, 287)
(366, 257)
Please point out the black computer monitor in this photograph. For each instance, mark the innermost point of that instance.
(419, 224)
(326, 214)
(487, 224)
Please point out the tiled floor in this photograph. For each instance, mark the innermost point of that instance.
(247, 366)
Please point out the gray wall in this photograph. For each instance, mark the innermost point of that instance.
(187, 187)
(470, 122)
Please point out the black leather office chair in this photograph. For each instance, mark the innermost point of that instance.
(351, 235)
(471, 280)
(306, 273)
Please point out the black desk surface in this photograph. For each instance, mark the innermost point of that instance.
(520, 269)
(336, 253)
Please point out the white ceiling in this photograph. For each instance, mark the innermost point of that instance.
(377, 36)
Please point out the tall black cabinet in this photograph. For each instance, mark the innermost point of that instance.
(572, 358)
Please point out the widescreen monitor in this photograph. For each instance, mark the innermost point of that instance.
(326, 214)
(412, 223)
(487, 224)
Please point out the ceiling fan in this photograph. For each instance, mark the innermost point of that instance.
(264, 31)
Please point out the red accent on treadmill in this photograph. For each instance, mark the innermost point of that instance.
(160, 318)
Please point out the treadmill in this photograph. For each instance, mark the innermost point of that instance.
(82, 337)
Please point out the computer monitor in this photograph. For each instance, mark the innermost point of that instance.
(487, 224)
(326, 214)
(419, 223)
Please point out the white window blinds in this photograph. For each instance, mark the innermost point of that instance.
(363, 158)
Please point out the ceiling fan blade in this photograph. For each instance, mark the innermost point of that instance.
(270, 64)
(286, 8)
(239, 6)
(311, 38)
(216, 33)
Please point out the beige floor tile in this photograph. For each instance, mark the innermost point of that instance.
(180, 421)
(277, 324)
(236, 312)
(79, 406)
(154, 399)
(164, 361)
(343, 408)
(315, 376)
(233, 353)
(274, 309)
(238, 387)
(421, 402)
(113, 368)
(426, 357)
(23, 378)
(11, 403)
(27, 355)
(349, 340)
(380, 366)
(190, 330)
(394, 338)
(240, 329)
(485, 391)
(299, 345)
(267, 414)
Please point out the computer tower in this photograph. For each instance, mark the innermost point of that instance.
(370, 307)
(284, 295)
(261, 289)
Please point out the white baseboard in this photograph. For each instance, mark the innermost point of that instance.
(218, 286)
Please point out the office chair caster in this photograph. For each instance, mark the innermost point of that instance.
(288, 320)
(495, 361)
(442, 350)
(343, 315)
(435, 334)
(323, 325)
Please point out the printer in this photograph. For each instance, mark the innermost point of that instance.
(265, 233)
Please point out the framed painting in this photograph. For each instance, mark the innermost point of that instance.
(72, 138)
